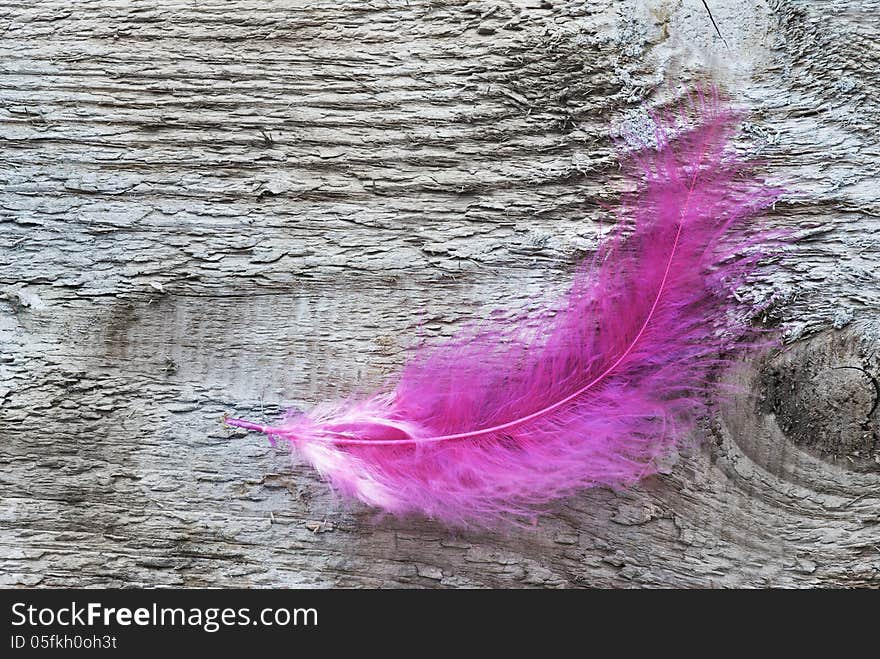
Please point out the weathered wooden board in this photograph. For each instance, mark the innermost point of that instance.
(214, 207)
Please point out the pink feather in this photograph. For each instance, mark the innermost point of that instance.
(499, 422)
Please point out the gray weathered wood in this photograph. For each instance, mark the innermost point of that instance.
(214, 207)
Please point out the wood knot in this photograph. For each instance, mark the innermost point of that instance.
(824, 395)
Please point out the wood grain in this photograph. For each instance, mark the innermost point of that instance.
(244, 206)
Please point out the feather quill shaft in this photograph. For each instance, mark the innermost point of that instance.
(500, 421)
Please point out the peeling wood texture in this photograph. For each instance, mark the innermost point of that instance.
(244, 206)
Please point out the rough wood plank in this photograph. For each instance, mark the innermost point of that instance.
(243, 206)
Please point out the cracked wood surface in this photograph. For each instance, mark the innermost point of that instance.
(214, 207)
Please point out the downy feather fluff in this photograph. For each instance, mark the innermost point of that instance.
(499, 422)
